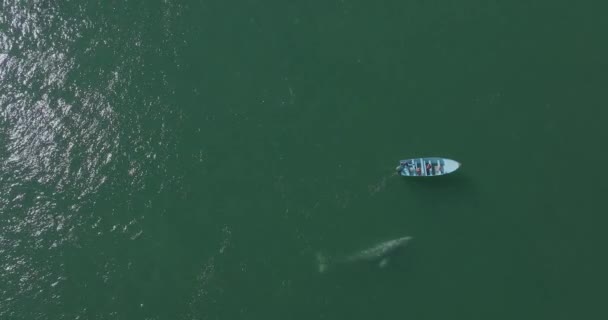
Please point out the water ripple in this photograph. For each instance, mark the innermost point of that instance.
(33, 156)
(70, 131)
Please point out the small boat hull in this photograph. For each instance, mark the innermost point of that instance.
(427, 167)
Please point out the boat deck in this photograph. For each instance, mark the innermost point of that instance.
(427, 167)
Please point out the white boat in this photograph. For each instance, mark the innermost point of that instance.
(427, 167)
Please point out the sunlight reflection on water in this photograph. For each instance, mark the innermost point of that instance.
(69, 129)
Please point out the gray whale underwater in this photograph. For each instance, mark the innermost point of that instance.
(380, 253)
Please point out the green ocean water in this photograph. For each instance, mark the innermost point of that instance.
(204, 159)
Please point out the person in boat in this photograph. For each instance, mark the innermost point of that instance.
(413, 168)
(438, 169)
(400, 168)
(429, 168)
(406, 165)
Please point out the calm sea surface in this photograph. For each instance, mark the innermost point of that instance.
(207, 159)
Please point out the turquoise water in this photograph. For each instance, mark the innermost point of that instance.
(202, 160)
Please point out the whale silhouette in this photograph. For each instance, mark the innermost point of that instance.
(380, 253)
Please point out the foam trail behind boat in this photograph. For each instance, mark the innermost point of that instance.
(375, 188)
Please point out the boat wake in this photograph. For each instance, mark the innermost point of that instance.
(375, 188)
